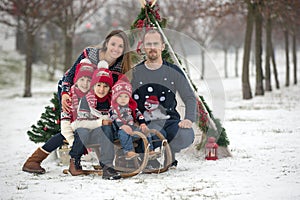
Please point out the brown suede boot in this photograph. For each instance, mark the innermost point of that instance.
(33, 163)
(75, 168)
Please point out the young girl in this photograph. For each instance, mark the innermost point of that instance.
(124, 113)
(93, 125)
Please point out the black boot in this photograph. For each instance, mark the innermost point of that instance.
(109, 173)
(174, 162)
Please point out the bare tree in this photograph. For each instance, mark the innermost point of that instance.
(259, 89)
(288, 15)
(33, 15)
(237, 27)
(70, 19)
(295, 32)
(246, 89)
(287, 75)
(274, 67)
(268, 47)
(229, 34)
(294, 45)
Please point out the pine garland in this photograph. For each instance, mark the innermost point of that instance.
(147, 19)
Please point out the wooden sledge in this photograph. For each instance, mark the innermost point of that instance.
(86, 172)
(165, 157)
(129, 168)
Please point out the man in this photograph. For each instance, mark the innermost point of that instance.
(156, 77)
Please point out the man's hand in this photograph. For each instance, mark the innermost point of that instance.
(127, 129)
(66, 102)
(186, 123)
(144, 128)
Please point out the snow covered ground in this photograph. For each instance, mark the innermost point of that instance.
(264, 136)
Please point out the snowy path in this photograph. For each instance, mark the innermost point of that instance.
(265, 143)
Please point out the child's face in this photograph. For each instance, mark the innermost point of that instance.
(84, 84)
(101, 89)
(123, 99)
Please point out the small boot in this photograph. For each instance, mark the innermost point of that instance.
(75, 168)
(131, 155)
(109, 173)
(33, 163)
(153, 155)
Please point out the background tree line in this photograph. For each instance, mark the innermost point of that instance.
(54, 32)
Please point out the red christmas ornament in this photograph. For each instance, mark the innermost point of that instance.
(53, 109)
(45, 128)
(138, 48)
(58, 121)
(88, 25)
(211, 149)
(140, 23)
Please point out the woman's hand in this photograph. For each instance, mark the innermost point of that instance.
(66, 102)
(106, 122)
(127, 129)
(186, 123)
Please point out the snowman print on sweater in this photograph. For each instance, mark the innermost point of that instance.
(153, 110)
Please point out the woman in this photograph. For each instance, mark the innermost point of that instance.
(115, 50)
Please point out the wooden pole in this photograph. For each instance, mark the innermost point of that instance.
(173, 56)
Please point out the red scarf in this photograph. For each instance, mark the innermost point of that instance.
(76, 95)
(92, 99)
(132, 105)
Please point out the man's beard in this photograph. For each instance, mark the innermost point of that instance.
(152, 56)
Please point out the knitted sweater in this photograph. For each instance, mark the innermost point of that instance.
(68, 117)
(91, 112)
(164, 83)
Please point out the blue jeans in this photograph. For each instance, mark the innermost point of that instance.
(125, 140)
(102, 136)
(178, 138)
(54, 142)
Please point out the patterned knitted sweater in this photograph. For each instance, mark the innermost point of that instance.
(163, 83)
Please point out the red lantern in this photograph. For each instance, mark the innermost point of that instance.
(211, 149)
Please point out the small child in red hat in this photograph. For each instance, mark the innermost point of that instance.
(124, 113)
(82, 80)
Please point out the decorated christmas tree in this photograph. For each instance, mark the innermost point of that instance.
(210, 126)
(49, 123)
